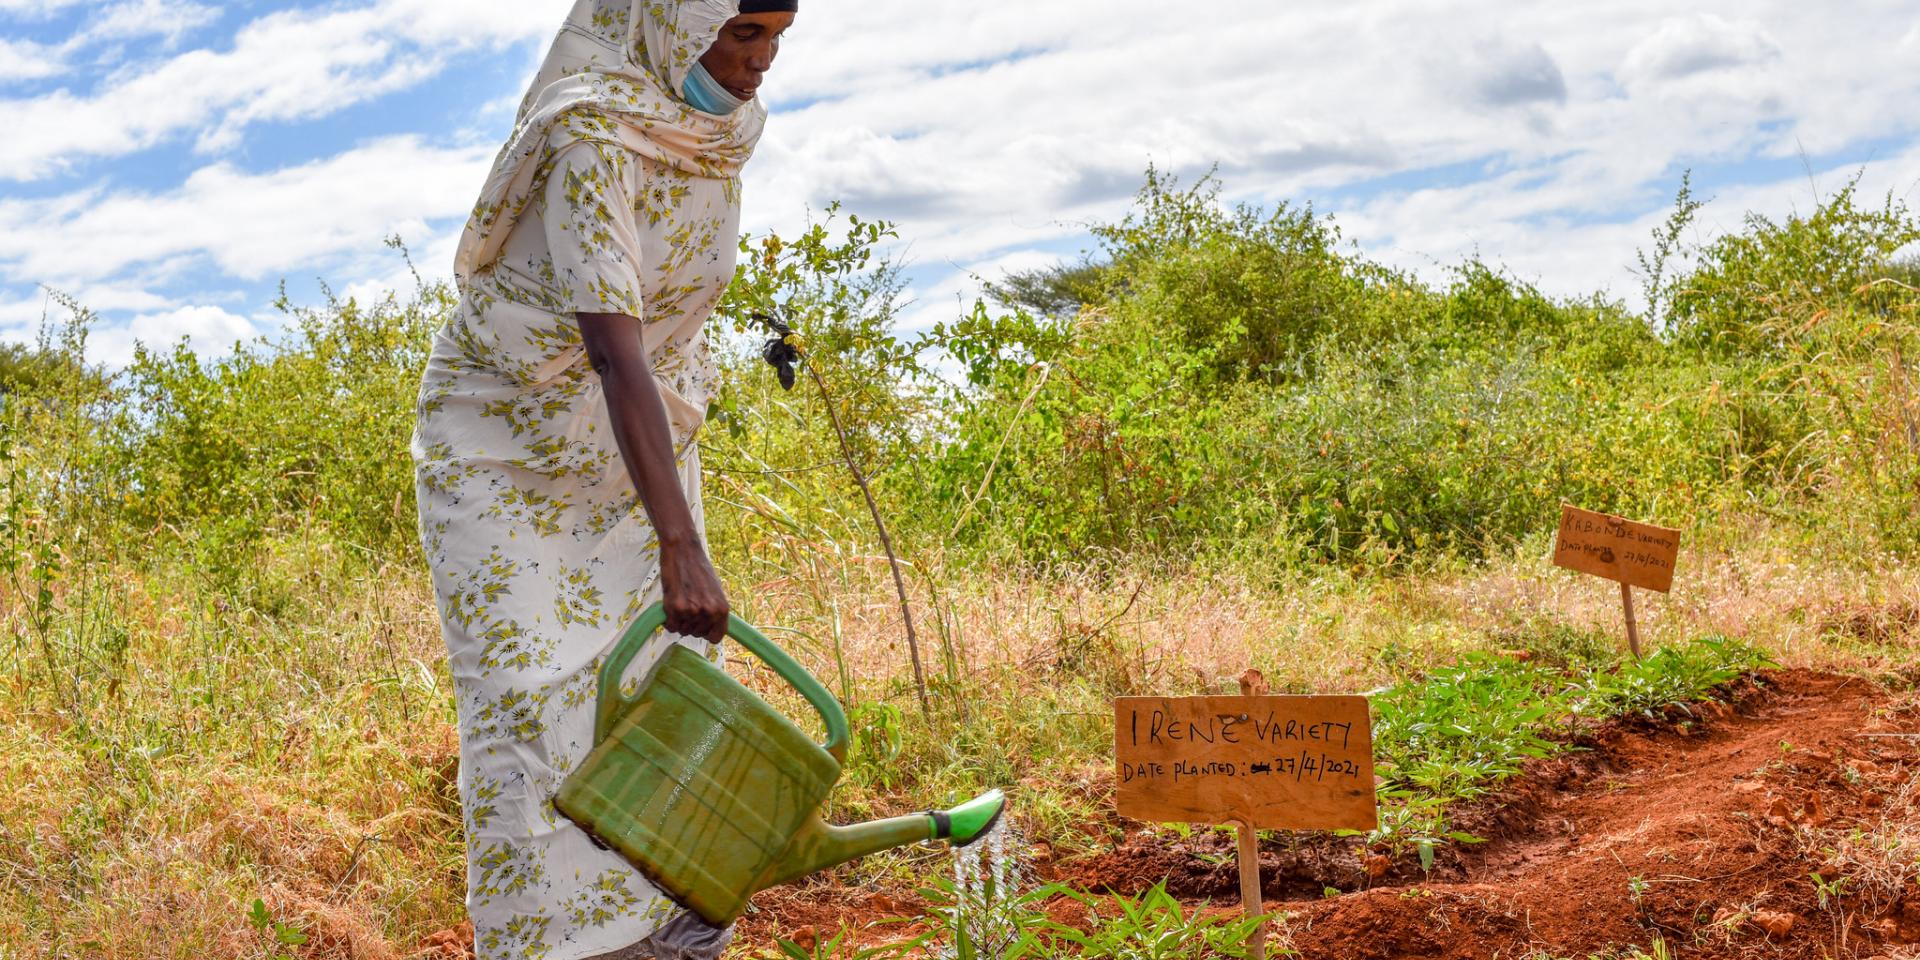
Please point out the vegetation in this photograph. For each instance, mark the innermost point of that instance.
(1225, 438)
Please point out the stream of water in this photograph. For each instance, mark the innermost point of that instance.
(989, 876)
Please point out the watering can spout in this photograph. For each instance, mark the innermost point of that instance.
(820, 845)
(972, 820)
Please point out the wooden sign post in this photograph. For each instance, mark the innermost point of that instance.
(1634, 554)
(1275, 763)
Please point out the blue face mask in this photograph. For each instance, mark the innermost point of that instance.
(705, 94)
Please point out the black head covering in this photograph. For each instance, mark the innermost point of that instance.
(769, 6)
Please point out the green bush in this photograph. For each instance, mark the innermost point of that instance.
(311, 430)
(1758, 291)
(1237, 383)
(1214, 385)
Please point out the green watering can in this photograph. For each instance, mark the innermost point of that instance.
(715, 795)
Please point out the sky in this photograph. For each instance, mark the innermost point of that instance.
(171, 163)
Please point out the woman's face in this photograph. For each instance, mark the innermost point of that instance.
(745, 50)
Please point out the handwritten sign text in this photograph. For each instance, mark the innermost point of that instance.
(1638, 554)
(1280, 763)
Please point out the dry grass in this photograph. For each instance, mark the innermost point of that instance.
(305, 757)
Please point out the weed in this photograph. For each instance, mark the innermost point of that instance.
(873, 759)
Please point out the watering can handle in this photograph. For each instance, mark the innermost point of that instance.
(790, 670)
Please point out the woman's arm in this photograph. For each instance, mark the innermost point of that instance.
(696, 602)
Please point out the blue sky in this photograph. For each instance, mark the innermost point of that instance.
(171, 162)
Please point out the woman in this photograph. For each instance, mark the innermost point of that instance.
(557, 474)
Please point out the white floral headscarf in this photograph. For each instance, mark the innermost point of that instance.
(613, 76)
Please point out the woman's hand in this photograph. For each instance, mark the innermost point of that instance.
(696, 602)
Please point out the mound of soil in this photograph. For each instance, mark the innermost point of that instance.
(1734, 838)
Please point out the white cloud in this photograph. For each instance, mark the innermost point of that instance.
(471, 23)
(35, 8)
(1615, 99)
(22, 317)
(249, 226)
(1504, 73)
(26, 60)
(1702, 43)
(206, 330)
(167, 19)
(290, 65)
(1438, 227)
(145, 18)
(951, 293)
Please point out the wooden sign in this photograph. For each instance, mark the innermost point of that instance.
(1280, 763)
(1636, 554)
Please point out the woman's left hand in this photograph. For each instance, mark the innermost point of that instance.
(696, 601)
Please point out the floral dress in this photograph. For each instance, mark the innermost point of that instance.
(539, 547)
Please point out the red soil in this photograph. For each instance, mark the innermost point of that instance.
(1708, 840)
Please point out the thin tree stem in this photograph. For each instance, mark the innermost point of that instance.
(886, 541)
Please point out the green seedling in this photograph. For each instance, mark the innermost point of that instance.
(1829, 891)
(283, 934)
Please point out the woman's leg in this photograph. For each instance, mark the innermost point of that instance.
(685, 937)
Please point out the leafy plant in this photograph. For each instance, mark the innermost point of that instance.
(1466, 726)
(1459, 731)
(1151, 926)
(1411, 821)
(1670, 677)
(988, 923)
(840, 946)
